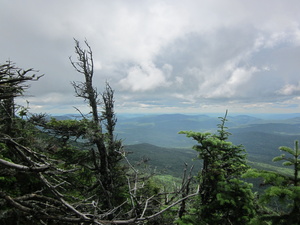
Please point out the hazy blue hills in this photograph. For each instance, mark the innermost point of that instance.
(162, 130)
(280, 128)
(262, 146)
(260, 137)
(156, 138)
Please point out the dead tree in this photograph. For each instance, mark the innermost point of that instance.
(12, 84)
(104, 153)
(107, 152)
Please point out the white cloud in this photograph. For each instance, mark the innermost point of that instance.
(231, 86)
(290, 89)
(145, 77)
(174, 51)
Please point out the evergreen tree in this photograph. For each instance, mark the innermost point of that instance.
(224, 198)
(284, 189)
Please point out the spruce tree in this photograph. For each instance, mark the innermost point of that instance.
(284, 190)
(224, 198)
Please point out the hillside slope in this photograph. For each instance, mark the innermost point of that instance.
(142, 134)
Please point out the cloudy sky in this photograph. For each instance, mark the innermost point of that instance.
(170, 56)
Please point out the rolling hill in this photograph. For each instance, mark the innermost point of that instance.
(155, 138)
(260, 137)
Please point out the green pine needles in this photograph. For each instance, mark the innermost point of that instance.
(223, 195)
(283, 190)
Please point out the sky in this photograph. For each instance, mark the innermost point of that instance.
(160, 56)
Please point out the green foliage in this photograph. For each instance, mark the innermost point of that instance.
(189, 219)
(44, 172)
(290, 150)
(223, 194)
(283, 189)
(65, 129)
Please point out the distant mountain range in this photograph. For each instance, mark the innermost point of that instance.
(260, 135)
(162, 130)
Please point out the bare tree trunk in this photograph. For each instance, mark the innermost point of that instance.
(104, 148)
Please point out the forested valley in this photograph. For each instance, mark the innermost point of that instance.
(78, 171)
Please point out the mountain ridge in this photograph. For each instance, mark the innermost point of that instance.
(260, 137)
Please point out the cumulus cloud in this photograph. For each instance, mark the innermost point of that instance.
(232, 86)
(290, 89)
(145, 77)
